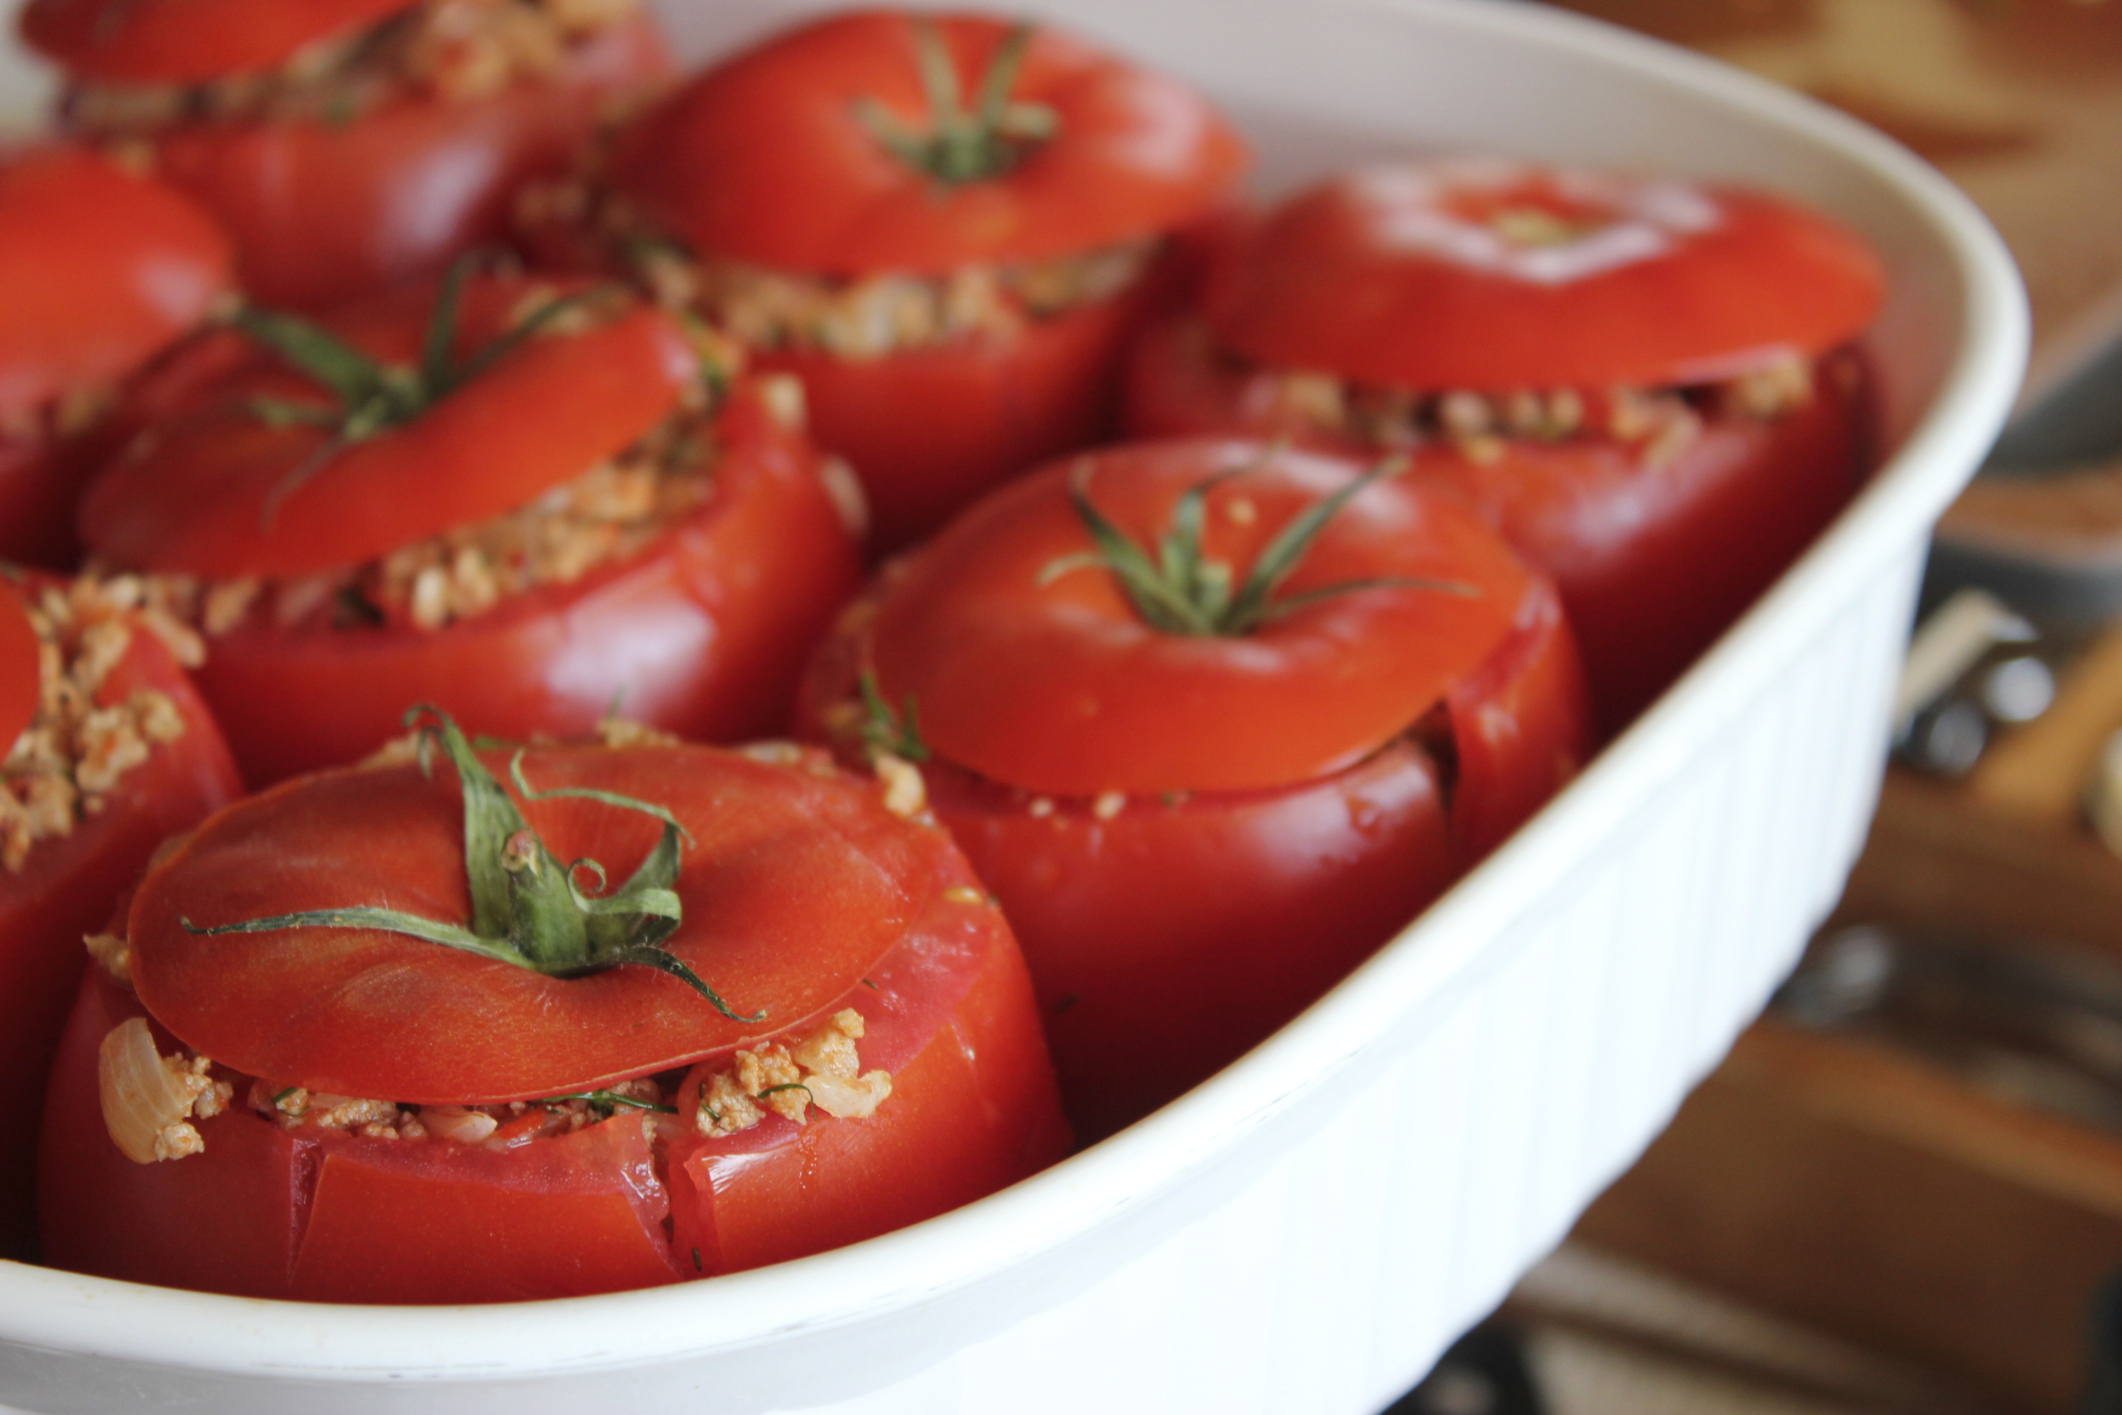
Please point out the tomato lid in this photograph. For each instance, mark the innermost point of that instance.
(186, 41)
(792, 887)
(1035, 669)
(1492, 275)
(227, 485)
(98, 269)
(778, 157)
(21, 667)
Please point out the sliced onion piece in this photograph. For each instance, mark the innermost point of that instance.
(141, 1098)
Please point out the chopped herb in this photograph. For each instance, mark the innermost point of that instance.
(698, 1266)
(1065, 1002)
(605, 1102)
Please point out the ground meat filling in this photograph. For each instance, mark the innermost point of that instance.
(879, 315)
(611, 513)
(1664, 421)
(868, 317)
(822, 1072)
(76, 749)
(454, 50)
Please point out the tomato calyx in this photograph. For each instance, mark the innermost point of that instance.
(1184, 591)
(527, 907)
(964, 145)
(369, 396)
(888, 731)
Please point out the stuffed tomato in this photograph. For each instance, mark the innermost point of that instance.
(1213, 720)
(520, 502)
(100, 270)
(350, 143)
(109, 750)
(946, 226)
(1647, 385)
(367, 1038)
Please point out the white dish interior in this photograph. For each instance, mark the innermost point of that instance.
(1306, 1230)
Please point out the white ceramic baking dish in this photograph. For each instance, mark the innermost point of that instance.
(1305, 1231)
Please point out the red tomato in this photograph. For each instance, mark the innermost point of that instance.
(65, 886)
(1164, 815)
(321, 211)
(801, 896)
(1011, 404)
(186, 41)
(703, 631)
(776, 159)
(765, 159)
(1654, 557)
(1494, 278)
(99, 270)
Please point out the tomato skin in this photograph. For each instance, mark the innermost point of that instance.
(202, 494)
(1394, 276)
(267, 1212)
(65, 891)
(1522, 727)
(763, 159)
(21, 650)
(1171, 935)
(98, 270)
(185, 41)
(1170, 939)
(1055, 684)
(1653, 561)
(307, 1005)
(1011, 404)
(321, 213)
(330, 1217)
(704, 633)
(973, 1109)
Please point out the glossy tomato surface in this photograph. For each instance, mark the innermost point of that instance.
(1170, 929)
(702, 634)
(65, 887)
(1655, 554)
(1054, 682)
(927, 430)
(99, 270)
(1492, 276)
(886, 922)
(186, 41)
(217, 489)
(322, 211)
(765, 158)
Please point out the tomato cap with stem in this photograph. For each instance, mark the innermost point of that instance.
(220, 491)
(843, 148)
(527, 908)
(1057, 682)
(1493, 276)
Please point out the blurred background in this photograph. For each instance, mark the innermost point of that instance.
(1903, 1190)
